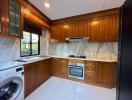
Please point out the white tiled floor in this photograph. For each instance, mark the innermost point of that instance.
(61, 89)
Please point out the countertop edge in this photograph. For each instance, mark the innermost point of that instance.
(50, 57)
(86, 59)
(36, 60)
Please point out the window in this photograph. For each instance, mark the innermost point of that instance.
(30, 44)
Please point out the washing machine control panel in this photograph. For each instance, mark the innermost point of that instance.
(19, 69)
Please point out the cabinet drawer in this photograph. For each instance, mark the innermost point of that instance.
(60, 72)
(90, 72)
(64, 60)
(89, 68)
(89, 77)
(89, 65)
(60, 67)
(60, 61)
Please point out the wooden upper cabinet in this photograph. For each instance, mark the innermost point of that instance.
(14, 18)
(78, 29)
(72, 30)
(113, 32)
(12, 13)
(4, 16)
(83, 28)
(98, 29)
(59, 32)
(11, 20)
(103, 27)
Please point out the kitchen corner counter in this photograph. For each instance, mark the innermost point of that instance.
(15, 63)
(26, 60)
(36, 60)
(89, 59)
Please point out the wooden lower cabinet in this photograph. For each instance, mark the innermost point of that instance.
(90, 72)
(35, 74)
(101, 73)
(106, 74)
(60, 67)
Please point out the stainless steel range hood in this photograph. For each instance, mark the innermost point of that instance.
(77, 39)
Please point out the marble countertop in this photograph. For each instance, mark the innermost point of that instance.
(28, 60)
(90, 59)
(11, 64)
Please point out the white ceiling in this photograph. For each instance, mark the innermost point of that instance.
(66, 8)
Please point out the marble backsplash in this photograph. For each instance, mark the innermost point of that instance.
(9, 49)
(90, 50)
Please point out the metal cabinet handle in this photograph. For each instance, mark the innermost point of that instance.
(63, 70)
(90, 68)
(90, 64)
(89, 74)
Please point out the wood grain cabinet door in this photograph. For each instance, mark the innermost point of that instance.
(43, 71)
(113, 31)
(72, 30)
(83, 29)
(60, 67)
(4, 16)
(98, 29)
(11, 18)
(35, 74)
(78, 29)
(59, 32)
(106, 74)
(30, 78)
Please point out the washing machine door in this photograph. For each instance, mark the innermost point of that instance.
(10, 88)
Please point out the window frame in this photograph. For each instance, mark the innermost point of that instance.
(31, 46)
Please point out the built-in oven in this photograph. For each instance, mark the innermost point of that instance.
(76, 70)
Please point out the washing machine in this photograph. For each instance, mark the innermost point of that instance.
(12, 84)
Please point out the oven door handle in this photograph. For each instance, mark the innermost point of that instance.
(77, 67)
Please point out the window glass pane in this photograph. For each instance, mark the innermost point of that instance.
(25, 44)
(35, 44)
